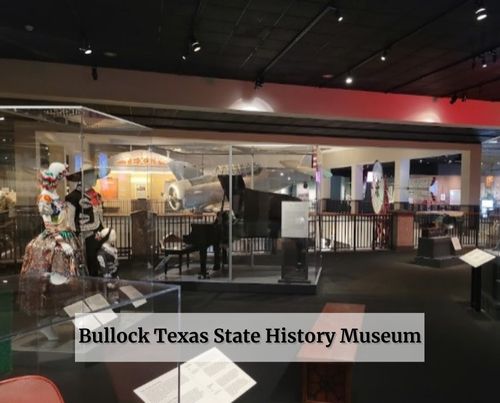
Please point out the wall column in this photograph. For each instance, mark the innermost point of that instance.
(470, 183)
(401, 183)
(26, 165)
(356, 187)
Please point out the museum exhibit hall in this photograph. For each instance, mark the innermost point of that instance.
(249, 201)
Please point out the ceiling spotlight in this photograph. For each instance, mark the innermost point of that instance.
(195, 45)
(338, 15)
(29, 27)
(2, 118)
(453, 99)
(349, 80)
(110, 54)
(327, 76)
(383, 56)
(86, 49)
(480, 12)
(184, 57)
(483, 62)
(259, 82)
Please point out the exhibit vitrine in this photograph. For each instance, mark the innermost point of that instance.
(37, 329)
(154, 207)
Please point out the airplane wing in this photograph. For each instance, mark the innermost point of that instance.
(183, 170)
(299, 167)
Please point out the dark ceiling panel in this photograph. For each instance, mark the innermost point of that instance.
(240, 37)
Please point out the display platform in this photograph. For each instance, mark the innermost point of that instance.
(260, 278)
(37, 316)
(436, 252)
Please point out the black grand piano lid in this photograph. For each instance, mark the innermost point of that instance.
(260, 211)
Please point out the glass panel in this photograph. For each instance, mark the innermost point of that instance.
(36, 332)
(275, 225)
(488, 235)
(126, 168)
(191, 232)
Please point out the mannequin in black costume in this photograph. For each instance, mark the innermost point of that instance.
(86, 214)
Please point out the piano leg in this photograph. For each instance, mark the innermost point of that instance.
(203, 263)
(216, 257)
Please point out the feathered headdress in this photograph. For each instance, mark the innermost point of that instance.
(50, 177)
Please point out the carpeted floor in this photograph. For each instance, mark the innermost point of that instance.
(462, 347)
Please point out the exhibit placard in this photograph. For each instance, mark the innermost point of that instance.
(211, 377)
(477, 257)
(456, 243)
(294, 219)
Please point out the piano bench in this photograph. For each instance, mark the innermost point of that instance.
(178, 251)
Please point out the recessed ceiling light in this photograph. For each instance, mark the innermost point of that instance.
(349, 80)
(383, 56)
(327, 76)
(338, 15)
(195, 45)
(110, 54)
(483, 62)
(480, 12)
(2, 118)
(86, 49)
(29, 28)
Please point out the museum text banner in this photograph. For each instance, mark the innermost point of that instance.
(250, 337)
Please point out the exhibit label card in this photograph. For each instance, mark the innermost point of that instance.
(132, 292)
(211, 377)
(456, 243)
(98, 302)
(477, 257)
(295, 219)
(83, 321)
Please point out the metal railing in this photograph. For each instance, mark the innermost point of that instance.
(354, 232)
(472, 229)
(331, 231)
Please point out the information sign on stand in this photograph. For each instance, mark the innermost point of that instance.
(476, 259)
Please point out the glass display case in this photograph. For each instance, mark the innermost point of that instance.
(174, 212)
(37, 315)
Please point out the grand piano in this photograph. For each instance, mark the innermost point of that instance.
(254, 214)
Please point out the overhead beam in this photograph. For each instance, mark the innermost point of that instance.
(296, 39)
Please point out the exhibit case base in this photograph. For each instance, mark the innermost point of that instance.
(246, 279)
(436, 252)
(439, 262)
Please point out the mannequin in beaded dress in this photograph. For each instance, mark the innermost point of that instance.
(57, 248)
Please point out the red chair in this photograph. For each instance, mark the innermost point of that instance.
(29, 389)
